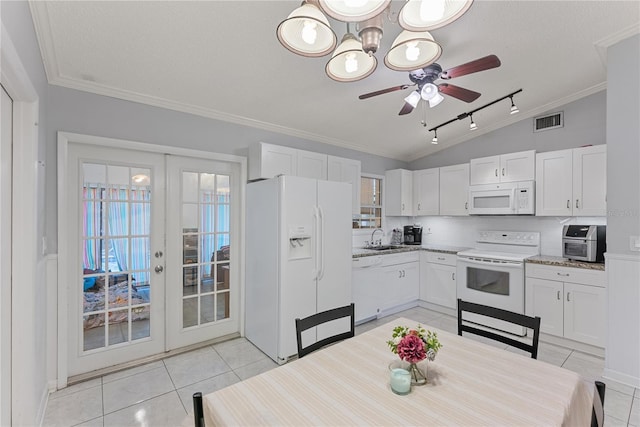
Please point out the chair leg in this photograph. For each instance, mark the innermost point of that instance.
(597, 415)
(198, 412)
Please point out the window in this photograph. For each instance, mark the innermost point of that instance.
(370, 204)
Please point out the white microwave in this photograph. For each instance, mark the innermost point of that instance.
(509, 198)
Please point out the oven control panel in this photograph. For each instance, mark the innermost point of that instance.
(521, 238)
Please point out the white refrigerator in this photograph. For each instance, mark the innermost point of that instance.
(298, 259)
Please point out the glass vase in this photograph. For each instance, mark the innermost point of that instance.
(418, 373)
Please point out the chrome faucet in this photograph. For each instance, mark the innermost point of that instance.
(379, 241)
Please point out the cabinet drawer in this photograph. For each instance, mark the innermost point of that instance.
(401, 258)
(567, 274)
(441, 258)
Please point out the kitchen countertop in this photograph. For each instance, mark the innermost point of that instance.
(362, 252)
(564, 262)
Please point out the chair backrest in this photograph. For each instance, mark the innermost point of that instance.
(597, 415)
(320, 318)
(506, 316)
(198, 411)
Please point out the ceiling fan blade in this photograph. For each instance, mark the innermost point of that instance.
(406, 109)
(461, 93)
(486, 63)
(382, 91)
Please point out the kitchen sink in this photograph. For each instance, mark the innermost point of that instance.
(383, 247)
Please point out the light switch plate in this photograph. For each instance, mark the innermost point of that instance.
(634, 243)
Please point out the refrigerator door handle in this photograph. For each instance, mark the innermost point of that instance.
(316, 220)
(321, 240)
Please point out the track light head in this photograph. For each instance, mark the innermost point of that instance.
(514, 109)
(435, 137)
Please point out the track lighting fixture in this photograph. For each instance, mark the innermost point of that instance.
(307, 32)
(514, 109)
(472, 125)
(469, 114)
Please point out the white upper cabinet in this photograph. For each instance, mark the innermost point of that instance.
(346, 170)
(268, 160)
(510, 167)
(426, 192)
(590, 181)
(398, 192)
(454, 190)
(572, 182)
(311, 165)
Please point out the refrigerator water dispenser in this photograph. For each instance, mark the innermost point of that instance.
(299, 243)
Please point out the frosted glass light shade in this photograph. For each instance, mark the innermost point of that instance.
(437, 99)
(349, 63)
(352, 10)
(293, 31)
(411, 18)
(397, 58)
(413, 99)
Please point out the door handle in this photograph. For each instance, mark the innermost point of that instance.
(577, 203)
(159, 269)
(403, 206)
(568, 299)
(568, 204)
(453, 276)
(563, 274)
(399, 274)
(496, 172)
(419, 206)
(502, 171)
(558, 296)
(466, 205)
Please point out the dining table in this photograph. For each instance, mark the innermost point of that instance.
(470, 383)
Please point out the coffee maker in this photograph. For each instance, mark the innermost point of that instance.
(412, 235)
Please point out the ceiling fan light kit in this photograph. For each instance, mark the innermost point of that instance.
(349, 62)
(427, 15)
(307, 32)
(411, 51)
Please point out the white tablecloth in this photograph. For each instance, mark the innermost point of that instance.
(470, 384)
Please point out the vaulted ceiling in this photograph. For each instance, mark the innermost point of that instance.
(221, 59)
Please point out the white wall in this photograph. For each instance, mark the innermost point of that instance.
(29, 285)
(622, 360)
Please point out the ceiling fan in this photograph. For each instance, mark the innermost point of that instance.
(429, 91)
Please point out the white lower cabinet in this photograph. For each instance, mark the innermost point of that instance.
(383, 283)
(438, 278)
(571, 302)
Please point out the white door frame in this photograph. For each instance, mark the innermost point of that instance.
(16, 370)
(64, 138)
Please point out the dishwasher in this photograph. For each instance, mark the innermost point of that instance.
(366, 286)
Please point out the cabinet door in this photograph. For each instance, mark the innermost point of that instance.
(454, 190)
(398, 192)
(267, 161)
(518, 166)
(554, 183)
(485, 170)
(439, 285)
(426, 192)
(346, 170)
(400, 284)
(585, 313)
(311, 165)
(590, 181)
(544, 298)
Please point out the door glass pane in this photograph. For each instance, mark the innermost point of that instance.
(207, 246)
(116, 219)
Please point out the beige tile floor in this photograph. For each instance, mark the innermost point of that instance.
(159, 393)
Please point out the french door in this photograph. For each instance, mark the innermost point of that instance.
(153, 262)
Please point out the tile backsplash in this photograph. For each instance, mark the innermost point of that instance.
(462, 231)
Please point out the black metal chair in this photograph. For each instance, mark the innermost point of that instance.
(597, 415)
(320, 318)
(198, 411)
(504, 315)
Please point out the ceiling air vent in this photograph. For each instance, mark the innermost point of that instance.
(552, 121)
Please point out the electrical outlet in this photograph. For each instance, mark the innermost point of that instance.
(634, 243)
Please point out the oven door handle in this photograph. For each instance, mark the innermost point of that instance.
(493, 264)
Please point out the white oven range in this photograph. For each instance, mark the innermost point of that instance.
(493, 273)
